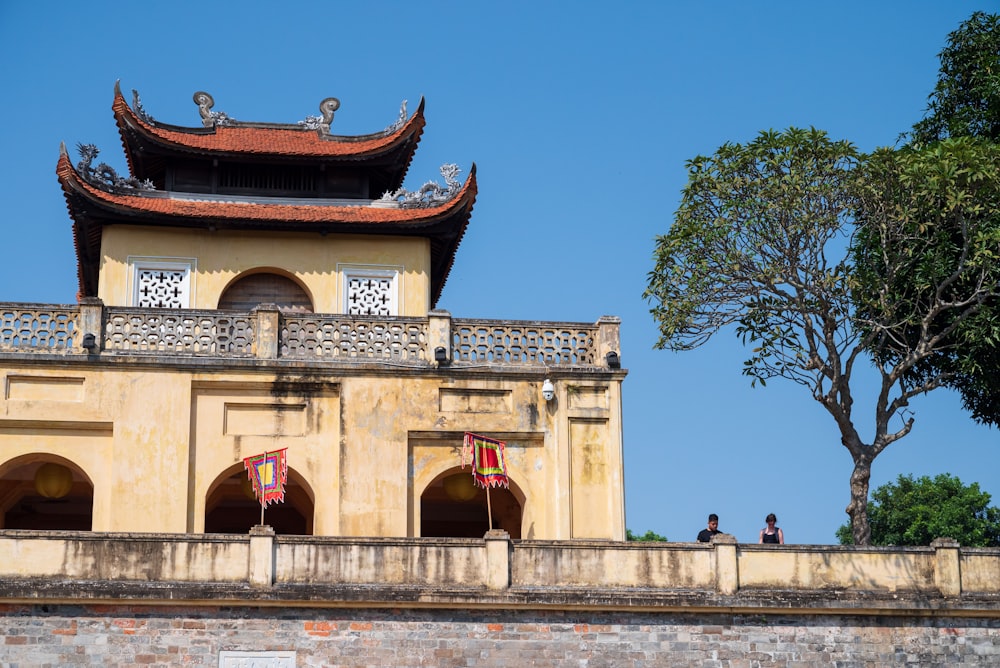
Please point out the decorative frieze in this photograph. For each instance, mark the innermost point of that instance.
(502, 342)
(396, 340)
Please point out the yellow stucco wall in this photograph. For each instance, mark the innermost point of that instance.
(366, 444)
(220, 257)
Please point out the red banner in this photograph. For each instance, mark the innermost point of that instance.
(489, 468)
(268, 473)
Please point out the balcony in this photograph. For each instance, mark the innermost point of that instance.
(91, 330)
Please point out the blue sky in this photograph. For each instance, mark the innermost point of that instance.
(579, 117)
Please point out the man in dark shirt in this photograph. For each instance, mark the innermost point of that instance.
(705, 535)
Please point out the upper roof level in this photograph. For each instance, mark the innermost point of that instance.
(300, 159)
(256, 180)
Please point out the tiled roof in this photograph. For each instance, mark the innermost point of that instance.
(92, 207)
(266, 139)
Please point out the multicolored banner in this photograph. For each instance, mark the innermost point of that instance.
(268, 473)
(489, 468)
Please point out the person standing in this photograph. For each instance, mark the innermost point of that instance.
(705, 535)
(771, 533)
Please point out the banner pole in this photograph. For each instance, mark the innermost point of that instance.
(489, 509)
(262, 512)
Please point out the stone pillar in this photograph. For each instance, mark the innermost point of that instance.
(91, 322)
(608, 337)
(439, 335)
(727, 576)
(267, 331)
(497, 559)
(261, 567)
(947, 566)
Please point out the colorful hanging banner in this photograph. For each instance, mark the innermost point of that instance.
(489, 467)
(268, 473)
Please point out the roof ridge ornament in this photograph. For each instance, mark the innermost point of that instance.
(103, 175)
(400, 121)
(322, 123)
(139, 111)
(429, 195)
(211, 118)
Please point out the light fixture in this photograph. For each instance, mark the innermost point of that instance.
(548, 390)
(89, 343)
(53, 481)
(441, 356)
(614, 362)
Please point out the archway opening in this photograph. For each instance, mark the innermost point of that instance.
(231, 506)
(452, 506)
(249, 291)
(46, 493)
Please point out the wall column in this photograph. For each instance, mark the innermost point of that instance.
(727, 576)
(947, 566)
(439, 335)
(497, 559)
(267, 331)
(261, 567)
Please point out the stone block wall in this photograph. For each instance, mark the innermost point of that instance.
(130, 635)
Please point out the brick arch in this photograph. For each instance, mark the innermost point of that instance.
(444, 516)
(231, 508)
(23, 507)
(265, 286)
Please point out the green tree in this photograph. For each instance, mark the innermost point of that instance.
(763, 240)
(966, 103)
(915, 512)
(966, 98)
(648, 537)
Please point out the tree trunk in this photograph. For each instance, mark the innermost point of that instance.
(857, 509)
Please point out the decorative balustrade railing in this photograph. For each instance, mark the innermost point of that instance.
(38, 327)
(527, 343)
(334, 337)
(186, 332)
(44, 328)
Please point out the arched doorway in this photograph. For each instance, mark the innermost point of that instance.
(250, 290)
(47, 493)
(452, 506)
(232, 508)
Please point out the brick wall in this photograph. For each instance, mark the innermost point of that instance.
(111, 636)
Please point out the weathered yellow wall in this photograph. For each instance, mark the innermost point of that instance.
(223, 256)
(154, 440)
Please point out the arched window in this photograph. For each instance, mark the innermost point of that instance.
(247, 292)
(231, 506)
(452, 506)
(45, 493)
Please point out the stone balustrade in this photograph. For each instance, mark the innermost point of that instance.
(300, 570)
(92, 329)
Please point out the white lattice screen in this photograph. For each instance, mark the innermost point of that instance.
(371, 295)
(161, 285)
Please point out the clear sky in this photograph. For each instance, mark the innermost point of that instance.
(579, 117)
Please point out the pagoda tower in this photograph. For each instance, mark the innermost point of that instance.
(251, 288)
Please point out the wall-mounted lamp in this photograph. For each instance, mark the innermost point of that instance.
(89, 343)
(614, 362)
(548, 390)
(441, 356)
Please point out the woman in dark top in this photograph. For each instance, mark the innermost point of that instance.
(771, 533)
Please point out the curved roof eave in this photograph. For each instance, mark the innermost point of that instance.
(444, 225)
(271, 140)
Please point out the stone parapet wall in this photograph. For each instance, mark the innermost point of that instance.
(120, 635)
(307, 571)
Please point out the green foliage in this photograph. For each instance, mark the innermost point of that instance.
(648, 537)
(927, 254)
(966, 99)
(748, 244)
(915, 512)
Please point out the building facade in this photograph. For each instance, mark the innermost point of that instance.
(251, 287)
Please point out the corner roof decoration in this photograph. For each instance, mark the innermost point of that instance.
(97, 196)
(430, 194)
